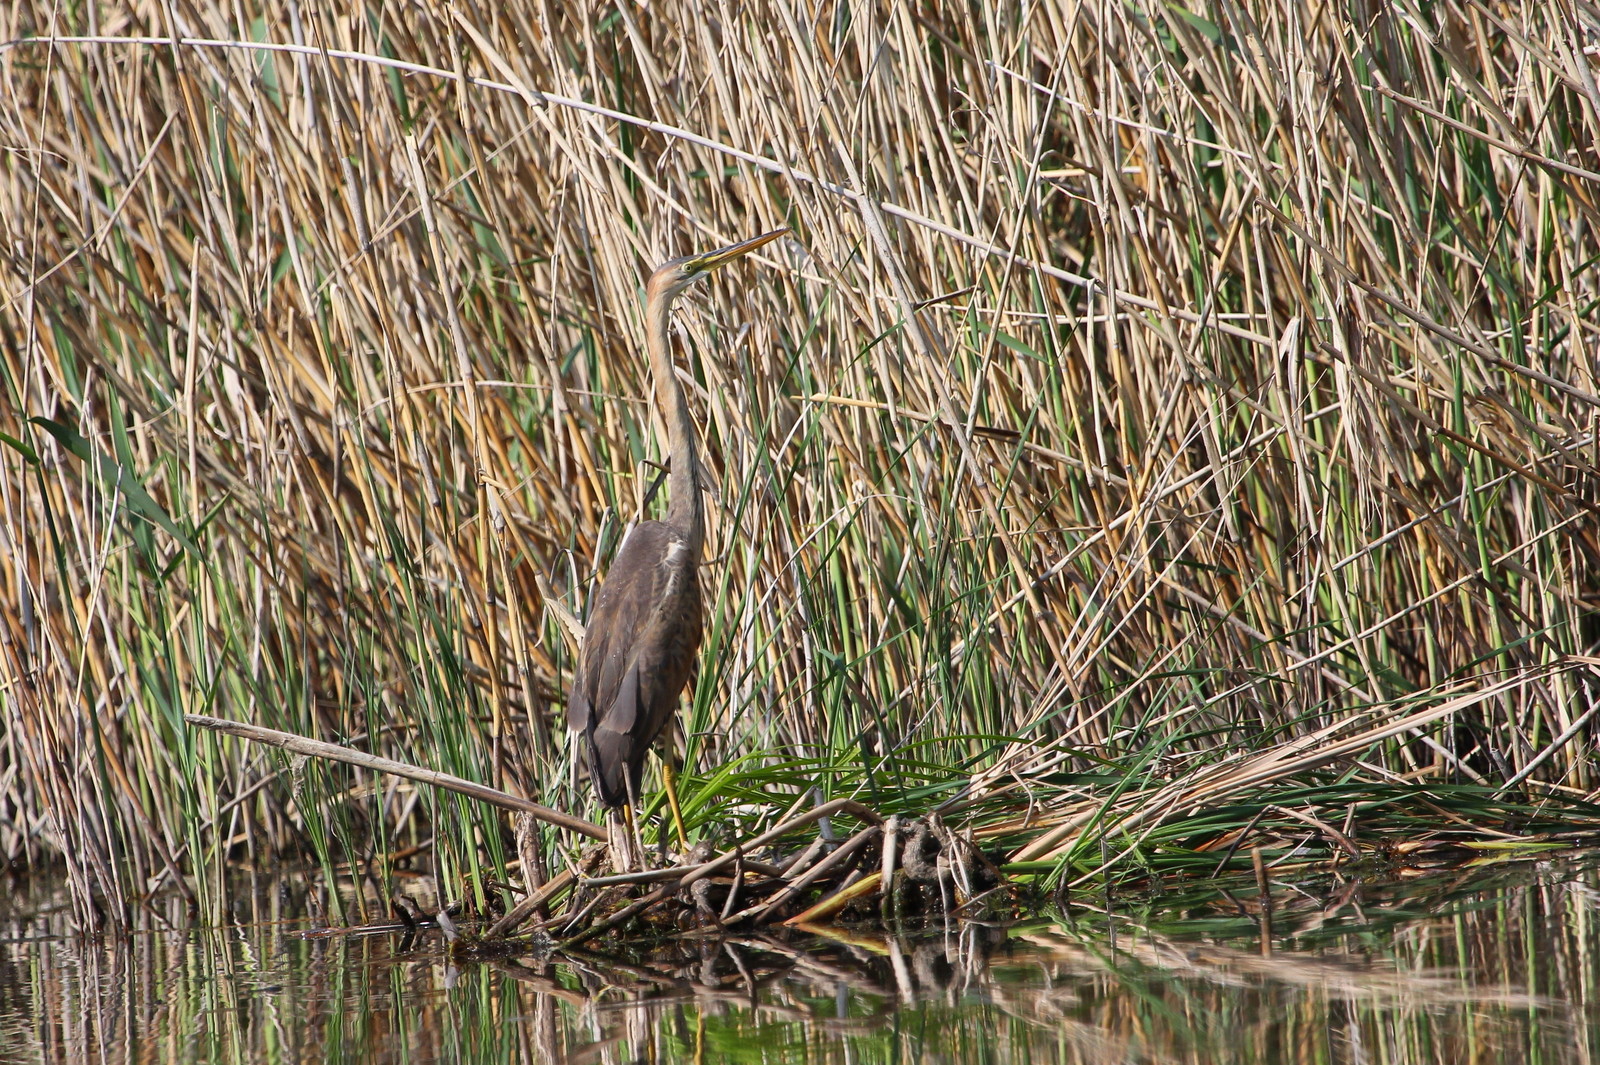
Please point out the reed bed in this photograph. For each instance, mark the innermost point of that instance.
(1155, 413)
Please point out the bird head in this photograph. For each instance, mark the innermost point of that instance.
(675, 275)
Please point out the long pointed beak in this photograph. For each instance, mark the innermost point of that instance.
(722, 256)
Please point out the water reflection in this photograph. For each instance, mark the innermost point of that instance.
(1445, 971)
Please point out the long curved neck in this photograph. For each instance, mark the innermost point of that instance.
(683, 503)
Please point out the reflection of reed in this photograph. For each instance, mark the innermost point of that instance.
(1483, 979)
(1353, 976)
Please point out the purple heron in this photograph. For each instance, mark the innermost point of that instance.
(644, 631)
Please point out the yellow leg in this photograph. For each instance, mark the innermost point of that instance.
(670, 782)
(635, 840)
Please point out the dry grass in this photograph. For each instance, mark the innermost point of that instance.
(1138, 389)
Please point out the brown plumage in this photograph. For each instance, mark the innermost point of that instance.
(644, 631)
(643, 636)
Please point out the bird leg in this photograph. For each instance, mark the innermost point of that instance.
(636, 838)
(669, 780)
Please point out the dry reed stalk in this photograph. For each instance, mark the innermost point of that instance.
(316, 749)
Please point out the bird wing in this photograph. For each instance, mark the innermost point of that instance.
(613, 742)
(637, 654)
(617, 624)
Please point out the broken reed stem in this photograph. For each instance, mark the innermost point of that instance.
(891, 834)
(1265, 897)
(816, 872)
(288, 741)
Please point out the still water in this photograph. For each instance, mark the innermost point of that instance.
(1496, 965)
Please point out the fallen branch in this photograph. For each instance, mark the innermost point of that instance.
(288, 741)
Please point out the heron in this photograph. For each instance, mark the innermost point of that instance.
(644, 632)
